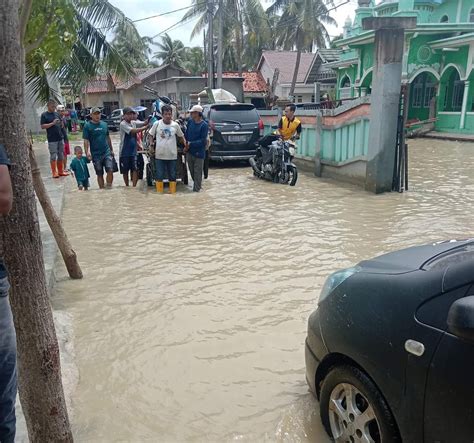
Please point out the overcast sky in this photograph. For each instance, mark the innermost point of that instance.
(144, 8)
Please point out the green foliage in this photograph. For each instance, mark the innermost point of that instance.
(171, 51)
(65, 41)
(194, 60)
(131, 46)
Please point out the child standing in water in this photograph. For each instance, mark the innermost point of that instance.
(79, 168)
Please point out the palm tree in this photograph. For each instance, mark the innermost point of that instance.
(245, 29)
(170, 51)
(65, 40)
(194, 60)
(302, 27)
(131, 46)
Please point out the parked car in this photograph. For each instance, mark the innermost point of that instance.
(113, 122)
(390, 348)
(235, 130)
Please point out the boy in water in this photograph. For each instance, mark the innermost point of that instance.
(79, 168)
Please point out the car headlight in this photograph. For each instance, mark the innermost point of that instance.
(335, 279)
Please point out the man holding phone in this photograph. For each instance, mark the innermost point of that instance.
(51, 121)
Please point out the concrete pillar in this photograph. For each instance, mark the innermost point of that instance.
(385, 98)
(317, 92)
(464, 105)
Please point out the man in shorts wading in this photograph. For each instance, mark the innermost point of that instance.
(52, 122)
(98, 148)
(8, 378)
(129, 128)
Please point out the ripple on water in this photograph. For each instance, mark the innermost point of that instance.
(190, 322)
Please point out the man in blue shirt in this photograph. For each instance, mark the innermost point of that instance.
(129, 128)
(196, 141)
(8, 380)
(98, 147)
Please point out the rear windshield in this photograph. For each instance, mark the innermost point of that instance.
(116, 113)
(236, 113)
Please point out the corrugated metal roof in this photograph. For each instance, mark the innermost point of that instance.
(285, 61)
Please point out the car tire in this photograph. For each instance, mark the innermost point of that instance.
(352, 423)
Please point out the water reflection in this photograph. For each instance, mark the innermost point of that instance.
(190, 322)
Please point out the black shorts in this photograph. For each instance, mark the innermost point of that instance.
(101, 163)
(128, 164)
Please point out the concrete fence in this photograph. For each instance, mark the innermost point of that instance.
(334, 142)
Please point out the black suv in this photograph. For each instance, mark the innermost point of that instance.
(235, 130)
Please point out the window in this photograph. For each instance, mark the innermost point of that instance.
(299, 99)
(444, 19)
(242, 113)
(430, 92)
(417, 92)
(345, 82)
(109, 107)
(458, 92)
(471, 16)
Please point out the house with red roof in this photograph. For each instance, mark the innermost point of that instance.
(254, 87)
(277, 68)
(111, 93)
(176, 83)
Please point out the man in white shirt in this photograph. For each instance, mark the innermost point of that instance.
(165, 132)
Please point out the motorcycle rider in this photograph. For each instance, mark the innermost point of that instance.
(289, 126)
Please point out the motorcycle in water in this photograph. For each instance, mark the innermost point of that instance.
(273, 160)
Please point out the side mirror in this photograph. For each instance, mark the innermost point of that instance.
(461, 318)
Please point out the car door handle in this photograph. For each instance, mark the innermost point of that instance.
(415, 347)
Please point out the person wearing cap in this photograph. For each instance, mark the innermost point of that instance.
(196, 141)
(98, 148)
(166, 132)
(52, 122)
(8, 377)
(129, 128)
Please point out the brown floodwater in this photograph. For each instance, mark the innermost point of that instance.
(190, 322)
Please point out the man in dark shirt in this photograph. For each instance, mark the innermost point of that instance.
(51, 121)
(197, 133)
(8, 381)
(98, 147)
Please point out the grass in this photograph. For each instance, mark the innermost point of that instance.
(74, 137)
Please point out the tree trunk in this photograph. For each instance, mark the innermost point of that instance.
(69, 256)
(295, 72)
(40, 386)
(239, 42)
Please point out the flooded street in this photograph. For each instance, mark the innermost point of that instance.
(190, 322)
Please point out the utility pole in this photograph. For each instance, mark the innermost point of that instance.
(210, 36)
(219, 45)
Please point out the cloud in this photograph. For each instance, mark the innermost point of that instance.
(145, 8)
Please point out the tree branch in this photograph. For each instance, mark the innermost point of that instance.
(39, 40)
(25, 16)
(35, 45)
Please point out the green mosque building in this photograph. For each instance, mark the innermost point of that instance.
(438, 60)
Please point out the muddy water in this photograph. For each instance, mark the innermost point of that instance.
(190, 322)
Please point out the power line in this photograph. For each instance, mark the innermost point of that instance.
(291, 20)
(154, 16)
(167, 13)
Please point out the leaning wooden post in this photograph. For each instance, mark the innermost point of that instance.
(54, 222)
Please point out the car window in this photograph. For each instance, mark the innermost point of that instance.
(451, 258)
(116, 113)
(239, 113)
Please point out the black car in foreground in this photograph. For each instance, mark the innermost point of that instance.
(235, 130)
(390, 348)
